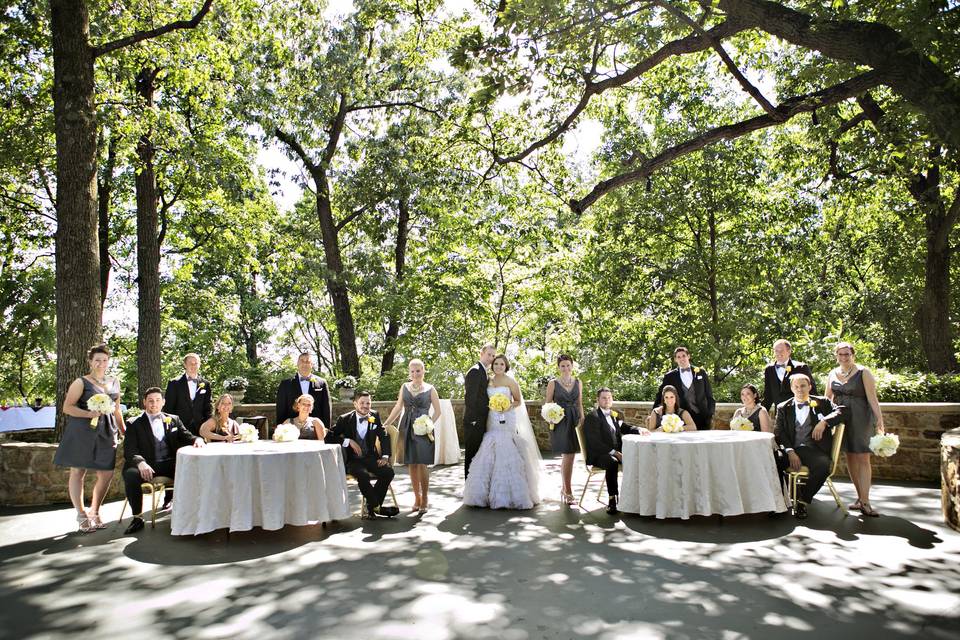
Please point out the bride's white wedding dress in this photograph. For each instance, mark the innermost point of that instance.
(505, 472)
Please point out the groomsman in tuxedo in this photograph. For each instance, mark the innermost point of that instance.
(696, 396)
(358, 432)
(776, 376)
(150, 449)
(304, 383)
(802, 431)
(476, 405)
(190, 396)
(603, 430)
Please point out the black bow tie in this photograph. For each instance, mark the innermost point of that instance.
(803, 404)
(685, 370)
(189, 379)
(781, 366)
(364, 418)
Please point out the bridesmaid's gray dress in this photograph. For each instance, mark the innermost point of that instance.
(416, 449)
(87, 447)
(857, 415)
(563, 438)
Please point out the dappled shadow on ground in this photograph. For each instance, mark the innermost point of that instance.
(459, 572)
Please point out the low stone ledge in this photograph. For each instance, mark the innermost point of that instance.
(29, 477)
(950, 477)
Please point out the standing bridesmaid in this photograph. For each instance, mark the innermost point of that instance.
(566, 391)
(853, 387)
(85, 445)
(415, 399)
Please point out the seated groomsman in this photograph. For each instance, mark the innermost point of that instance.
(776, 376)
(603, 431)
(304, 383)
(696, 396)
(802, 431)
(150, 449)
(358, 432)
(190, 397)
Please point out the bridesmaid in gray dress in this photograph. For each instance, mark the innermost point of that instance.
(853, 387)
(90, 446)
(567, 392)
(416, 399)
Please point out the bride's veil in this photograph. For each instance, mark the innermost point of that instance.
(525, 427)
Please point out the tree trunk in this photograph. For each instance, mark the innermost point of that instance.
(77, 254)
(336, 284)
(148, 252)
(399, 257)
(104, 188)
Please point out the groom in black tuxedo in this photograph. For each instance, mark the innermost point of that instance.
(696, 396)
(802, 431)
(150, 449)
(359, 432)
(776, 375)
(190, 397)
(603, 430)
(476, 405)
(304, 383)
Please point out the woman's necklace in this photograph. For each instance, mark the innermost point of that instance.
(566, 384)
(416, 387)
(845, 373)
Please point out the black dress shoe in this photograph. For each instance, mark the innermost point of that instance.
(388, 512)
(800, 511)
(135, 526)
(612, 507)
(166, 505)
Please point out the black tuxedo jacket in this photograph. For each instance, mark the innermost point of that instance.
(598, 439)
(475, 399)
(786, 429)
(192, 413)
(289, 390)
(139, 444)
(775, 390)
(701, 388)
(346, 429)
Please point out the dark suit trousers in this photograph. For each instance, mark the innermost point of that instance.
(702, 421)
(365, 470)
(473, 438)
(612, 468)
(132, 481)
(819, 464)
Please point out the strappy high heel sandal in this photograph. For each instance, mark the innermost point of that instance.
(867, 510)
(83, 523)
(95, 522)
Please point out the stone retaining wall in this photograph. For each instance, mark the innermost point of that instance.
(29, 477)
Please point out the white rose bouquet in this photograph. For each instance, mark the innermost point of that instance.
(286, 433)
(552, 413)
(423, 426)
(739, 423)
(99, 403)
(671, 423)
(248, 433)
(884, 444)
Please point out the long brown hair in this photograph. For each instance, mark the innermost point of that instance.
(220, 424)
(676, 400)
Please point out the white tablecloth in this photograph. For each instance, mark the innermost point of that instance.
(677, 475)
(261, 484)
(20, 418)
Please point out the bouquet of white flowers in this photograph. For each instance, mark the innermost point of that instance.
(671, 423)
(423, 426)
(248, 433)
(286, 433)
(739, 423)
(884, 444)
(499, 402)
(99, 403)
(552, 413)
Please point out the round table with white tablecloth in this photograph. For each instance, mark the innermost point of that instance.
(677, 475)
(238, 486)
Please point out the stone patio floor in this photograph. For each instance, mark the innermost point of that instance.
(552, 572)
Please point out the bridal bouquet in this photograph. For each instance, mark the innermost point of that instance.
(248, 433)
(552, 413)
(499, 402)
(99, 403)
(739, 423)
(884, 444)
(671, 423)
(423, 426)
(286, 433)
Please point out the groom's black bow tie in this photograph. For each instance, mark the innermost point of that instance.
(803, 404)
(685, 370)
(781, 366)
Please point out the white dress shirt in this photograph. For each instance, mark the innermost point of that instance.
(192, 388)
(686, 377)
(781, 369)
(156, 425)
(304, 385)
(612, 425)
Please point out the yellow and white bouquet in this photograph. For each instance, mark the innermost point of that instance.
(249, 433)
(101, 404)
(739, 423)
(884, 444)
(552, 413)
(286, 433)
(423, 426)
(671, 423)
(499, 402)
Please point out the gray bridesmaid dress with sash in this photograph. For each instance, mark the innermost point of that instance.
(87, 447)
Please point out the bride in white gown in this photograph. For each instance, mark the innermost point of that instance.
(505, 473)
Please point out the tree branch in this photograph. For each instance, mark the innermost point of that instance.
(140, 36)
(386, 105)
(788, 109)
(297, 148)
